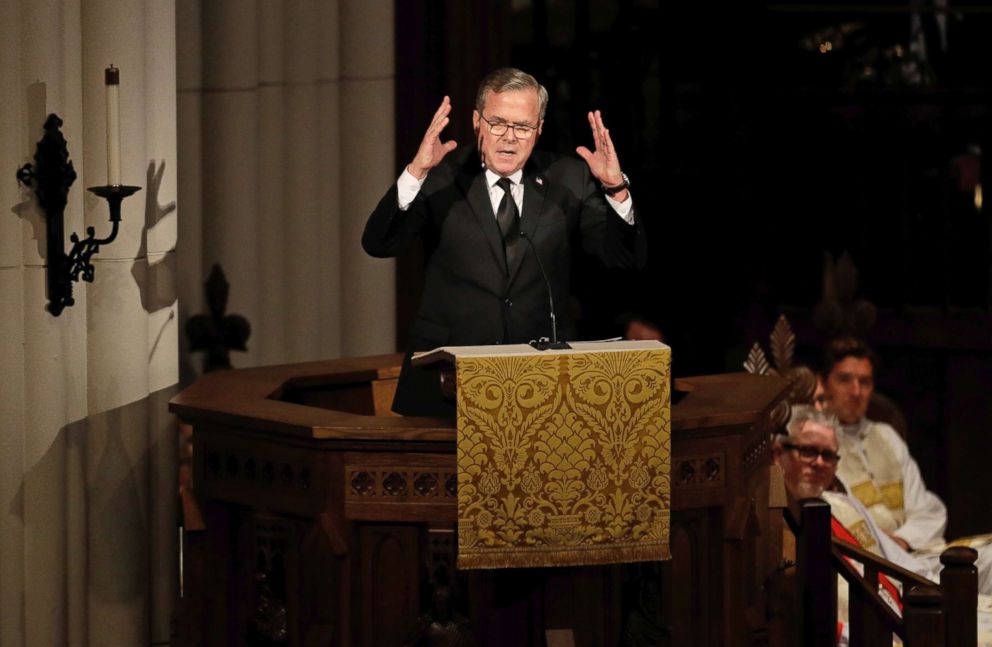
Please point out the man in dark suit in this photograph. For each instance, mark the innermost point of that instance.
(489, 216)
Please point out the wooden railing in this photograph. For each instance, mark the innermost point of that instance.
(933, 614)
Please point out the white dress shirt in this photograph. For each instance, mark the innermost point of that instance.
(408, 186)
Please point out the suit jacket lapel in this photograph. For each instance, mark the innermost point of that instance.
(530, 218)
(477, 193)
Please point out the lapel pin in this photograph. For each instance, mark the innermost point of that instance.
(539, 180)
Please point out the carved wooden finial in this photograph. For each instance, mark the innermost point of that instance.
(756, 361)
(783, 345)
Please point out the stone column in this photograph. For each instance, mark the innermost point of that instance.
(190, 271)
(302, 208)
(230, 153)
(270, 331)
(75, 510)
(160, 302)
(13, 152)
(117, 336)
(367, 140)
(329, 176)
(294, 149)
(54, 359)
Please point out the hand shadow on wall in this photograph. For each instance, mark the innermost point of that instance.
(156, 276)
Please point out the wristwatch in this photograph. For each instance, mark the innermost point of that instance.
(613, 190)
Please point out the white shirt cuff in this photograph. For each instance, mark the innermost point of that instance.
(624, 209)
(407, 188)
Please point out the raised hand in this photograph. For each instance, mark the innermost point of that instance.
(431, 150)
(603, 163)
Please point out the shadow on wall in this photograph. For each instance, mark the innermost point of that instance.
(117, 501)
(91, 495)
(36, 106)
(159, 289)
(28, 210)
(156, 275)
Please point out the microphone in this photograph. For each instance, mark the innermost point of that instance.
(478, 146)
(544, 343)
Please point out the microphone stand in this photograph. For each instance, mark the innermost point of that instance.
(544, 343)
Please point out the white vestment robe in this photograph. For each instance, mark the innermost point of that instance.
(876, 468)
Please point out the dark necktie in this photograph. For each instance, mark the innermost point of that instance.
(509, 221)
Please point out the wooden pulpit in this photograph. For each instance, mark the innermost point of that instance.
(328, 521)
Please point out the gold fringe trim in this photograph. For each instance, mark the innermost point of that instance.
(522, 558)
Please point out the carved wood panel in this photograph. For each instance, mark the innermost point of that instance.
(388, 600)
(688, 580)
(248, 472)
(268, 621)
(705, 470)
(244, 466)
(415, 489)
(757, 453)
(400, 484)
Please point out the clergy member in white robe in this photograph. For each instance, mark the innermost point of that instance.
(878, 471)
(877, 468)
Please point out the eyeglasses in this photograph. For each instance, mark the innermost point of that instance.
(808, 453)
(499, 128)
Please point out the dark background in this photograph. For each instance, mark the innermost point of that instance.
(762, 142)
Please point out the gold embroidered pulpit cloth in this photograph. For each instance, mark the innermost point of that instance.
(564, 457)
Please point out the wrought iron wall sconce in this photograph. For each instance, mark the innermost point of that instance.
(50, 177)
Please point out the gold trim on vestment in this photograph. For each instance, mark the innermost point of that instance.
(866, 493)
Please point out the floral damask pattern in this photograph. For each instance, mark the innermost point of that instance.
(564, 459)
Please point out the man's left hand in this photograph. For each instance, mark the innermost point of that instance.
(603, 163)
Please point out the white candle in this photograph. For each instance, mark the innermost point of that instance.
(113, 79)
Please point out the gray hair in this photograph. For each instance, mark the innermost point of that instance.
(510, 78)
(803, 413)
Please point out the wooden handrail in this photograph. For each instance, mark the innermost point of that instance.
(868, 611)
(933, 614)
(893, 571)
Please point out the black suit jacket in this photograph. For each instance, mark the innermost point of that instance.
(469, 297)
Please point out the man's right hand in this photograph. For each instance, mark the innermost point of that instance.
(431, 150)
(899, 540)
